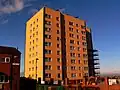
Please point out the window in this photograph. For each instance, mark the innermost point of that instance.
(58, 75)
(58, 39)
(36, 39)
(31, 25)
(48, 75)
(83, 32)
(34, 22)
(37, 20)
(58, 60)
(48, 59)
(79, 61)
(85, 55)
(58, 67)
(71, 35)
(72, 48)
(77, 36)
(47, 36)
(30, 55)
(85, 68)
(71, 41)
(73, 68)
(47, 51)
(71, 23)
(84, 49)
(29, 62)
(83, 27)
(33, 29)
(72, 54)
(33, 35)
(57, 18)
(58, 45)
(79, 74)
(84, 43)
(47, 16)
(33, 41)
(47, 67)
(76, 25)
(47, 22)
(78, 48)
(78, 55)
(47, 43)
(58, 31)
(83, 38)
(37, 33)
(47, 29)
(58, 52)
(57, 25)
(29, 69)
(2, 78)
(85, 61)
(29, 49)
(79, 68)
(33, 48)
(30, 37)
(72, 61)
(70, 29)
(73, 75)
(77, 30)
(36, 53)
(37, 26)
(78, 43)
(5, 60)
(30, 43)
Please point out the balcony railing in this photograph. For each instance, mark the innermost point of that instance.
(95, 54)
(96, 58)
(97, 67)
(96, 62)
(97, 72)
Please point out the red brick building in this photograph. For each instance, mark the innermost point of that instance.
(9, 68)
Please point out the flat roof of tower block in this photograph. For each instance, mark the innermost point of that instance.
(9, 50)
(77, 17)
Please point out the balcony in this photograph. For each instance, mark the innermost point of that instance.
(96, 62)
(95, 54)
(96, 58)
(95, 50)
(96, 67)
(97, 72)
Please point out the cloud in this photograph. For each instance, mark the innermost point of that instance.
(4, 18)
(4, 21)
(10, 6)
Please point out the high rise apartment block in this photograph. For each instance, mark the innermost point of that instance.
(56, 47)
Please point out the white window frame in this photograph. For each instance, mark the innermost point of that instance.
(6, 59)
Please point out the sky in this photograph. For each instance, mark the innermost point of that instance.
(102, 16)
